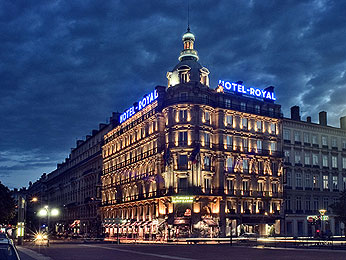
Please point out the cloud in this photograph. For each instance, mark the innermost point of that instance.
(66, 65)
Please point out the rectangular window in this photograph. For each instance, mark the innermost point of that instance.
(314, 139)
(299, 180)
(343, 162)
(287, 134)
(243, 106)
(343, 144)
(297, 157)
(287, 155)
(324, 160)
(325, 203)
(229, 164)
(259, 145)
(306, 138)
(229, 141)
(307, 204)
(324, 141)
(259, 125)
(288, 203)
(228, 103)
(182, 162)
(244, 122)
(344, 182)
(229, 120)
(260, 186)
(334, 161)
(335, 182)
(273, 128)
(183, 138)
(207, 185)
(307, 158)
(257, 109)
(299, 203)
(245, 185)
(207, 163)
(183, 115)
(273, 146)
(206, 139)
(274, 187)
(289, 179)
(182, 183)
(245, 165)
(296, 136)
(315, 159)
(334, 142)
(308, 180)
(230, 186)
(245, 144)
(325, 182)
(315, 181)
(207, 117)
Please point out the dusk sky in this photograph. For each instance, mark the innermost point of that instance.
(65, 66)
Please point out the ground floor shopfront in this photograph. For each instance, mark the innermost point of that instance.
(183, 216)
(302, 225)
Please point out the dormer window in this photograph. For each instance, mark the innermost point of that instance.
(184, 74)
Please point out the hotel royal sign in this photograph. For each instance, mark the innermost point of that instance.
(251, 91)
(148, 99)
(182, 199)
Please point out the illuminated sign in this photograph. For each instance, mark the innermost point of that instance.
(148, 99)
(182, 199)
(252, 91)
(315, 217)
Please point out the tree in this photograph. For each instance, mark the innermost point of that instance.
(339, 209)
(7, 205)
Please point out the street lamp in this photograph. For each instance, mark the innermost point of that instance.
(322, 212)
(47, 212)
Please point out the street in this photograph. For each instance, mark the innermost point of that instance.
(78, 251)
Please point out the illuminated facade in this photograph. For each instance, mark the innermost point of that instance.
(194, 161)
(315, 166)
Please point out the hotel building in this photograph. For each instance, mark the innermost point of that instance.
(189, 160)
(315, 166)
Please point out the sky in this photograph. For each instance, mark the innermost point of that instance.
(65, 66)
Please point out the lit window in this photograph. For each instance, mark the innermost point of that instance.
(325, 182)
(315, 181)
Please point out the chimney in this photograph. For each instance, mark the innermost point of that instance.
(323, 117)
(343, 122)
(295, 113)
(308, 119)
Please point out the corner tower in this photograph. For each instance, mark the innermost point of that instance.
(188, 70)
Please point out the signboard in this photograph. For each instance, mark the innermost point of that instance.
(148, 99)
(252, 91)
(182, 199)
(315, 217)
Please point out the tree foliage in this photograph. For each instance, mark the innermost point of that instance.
(7, 205)
(339, 208)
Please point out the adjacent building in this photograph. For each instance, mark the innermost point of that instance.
(190, 160)
(315, 166)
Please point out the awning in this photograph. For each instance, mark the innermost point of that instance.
(210, 222)
(181, 221)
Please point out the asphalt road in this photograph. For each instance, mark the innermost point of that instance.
(156, 252)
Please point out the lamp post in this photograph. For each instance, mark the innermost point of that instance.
(47, 212)
(322, 212)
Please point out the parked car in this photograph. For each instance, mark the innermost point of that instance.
(8, 251)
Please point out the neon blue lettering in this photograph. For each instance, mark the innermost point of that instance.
(228, 85)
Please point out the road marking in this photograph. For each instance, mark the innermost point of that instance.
(142, 253)
(33, 254)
